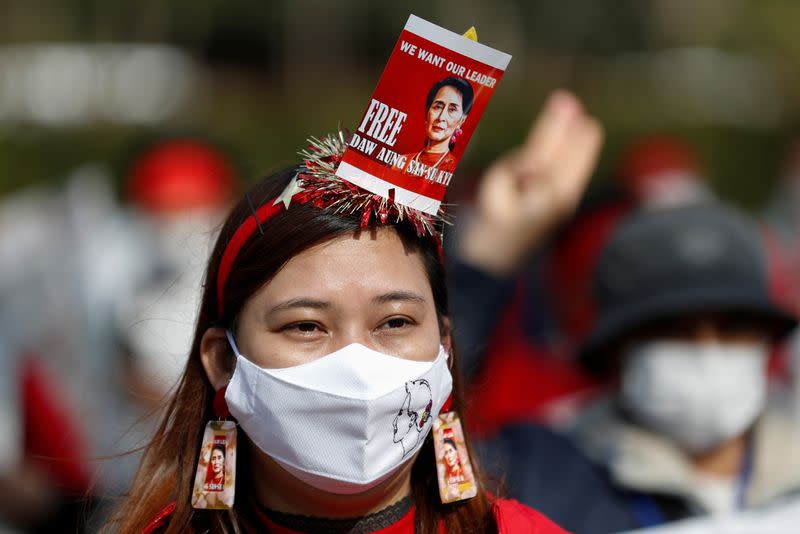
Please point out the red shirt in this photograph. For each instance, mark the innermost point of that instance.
(512, 518)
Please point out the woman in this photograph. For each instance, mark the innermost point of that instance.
(308, 282)
(454, 471)
(318, 300)
(215, 475)
(446, 108)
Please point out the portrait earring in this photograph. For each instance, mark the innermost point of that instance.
(215, 478)
(454, 138)
(453, 467)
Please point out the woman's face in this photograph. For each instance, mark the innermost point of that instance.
(217, 461)
(445, 114)
(450, 455)
(359, 288)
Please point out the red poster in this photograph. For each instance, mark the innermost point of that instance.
(422, 114)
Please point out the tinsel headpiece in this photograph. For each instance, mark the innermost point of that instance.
(316, 183)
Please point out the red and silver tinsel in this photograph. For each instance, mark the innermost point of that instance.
(318, 184)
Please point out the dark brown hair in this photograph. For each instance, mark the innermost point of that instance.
(459, 84)
(167, 469)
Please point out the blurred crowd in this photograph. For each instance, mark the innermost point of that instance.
(639, 367)
(99, 300)
(638, 363)
(636, 366)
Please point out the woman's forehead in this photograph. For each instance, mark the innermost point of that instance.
(358, 265)
(448, 93)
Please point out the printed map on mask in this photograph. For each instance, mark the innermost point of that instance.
(422, 114)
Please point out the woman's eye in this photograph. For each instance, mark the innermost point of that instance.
(303, 328)
(397, 322)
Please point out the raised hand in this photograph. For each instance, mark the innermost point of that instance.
(533, 187)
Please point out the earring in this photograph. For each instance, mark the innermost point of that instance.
(454, 138)
(215, 478)
(219, 405)
(453, 467)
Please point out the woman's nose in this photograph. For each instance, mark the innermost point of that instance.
(350, 336)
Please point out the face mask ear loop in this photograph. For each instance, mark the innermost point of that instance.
(219, 398)
(232, 343)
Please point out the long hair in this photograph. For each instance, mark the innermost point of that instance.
(167, 469)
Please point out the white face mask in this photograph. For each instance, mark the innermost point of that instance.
(698, 394)
(342, 423)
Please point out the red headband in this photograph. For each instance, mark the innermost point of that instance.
(246, 230)
(236, 243)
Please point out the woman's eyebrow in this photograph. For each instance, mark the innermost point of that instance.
(393, 296)
(301, 302)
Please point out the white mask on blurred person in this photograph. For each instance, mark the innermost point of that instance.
(342, 423)
(697, 394)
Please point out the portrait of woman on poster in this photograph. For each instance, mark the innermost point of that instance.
(447, 105)
(215, 475)
(453, 469)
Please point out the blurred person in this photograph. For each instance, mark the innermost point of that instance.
(72, 284)
(654, 171)
(287, 309)
(684, 329)
(686, 323)
(523, 196)
(179, 190)
(135, 269)
(447, 105)
(44, 448)
(535, 310)
(661, 170)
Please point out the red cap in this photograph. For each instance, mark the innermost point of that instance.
(655, 155)
(179, 175)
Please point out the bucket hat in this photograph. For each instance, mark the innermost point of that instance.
(668, 262)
